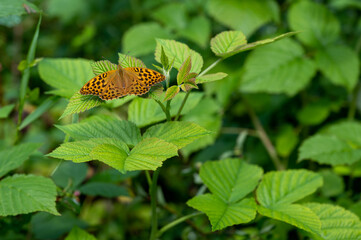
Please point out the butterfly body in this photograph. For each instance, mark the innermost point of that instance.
(121, 82)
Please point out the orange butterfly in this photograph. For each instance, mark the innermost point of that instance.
(121, 82)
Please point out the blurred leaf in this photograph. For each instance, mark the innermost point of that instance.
(211, 77)
(79, 103)
(277, 68)
(339, 144)
(15, 7)
(78, 233)
(198, 30)
(207, 115)
(73, 9)
(44, 107)
(144, 112)
(140, 39)
(171, 93)
(172, 15)
(102, 66)
(128, 61)
(46, 226)
(149, 154)
(6, 110)
(283, 188)
(67, 76)
(11, 21)
(318, 25)
(336, 222)
(178, 133)
(341, 4)
(313, 113)
(227, 179)
(286, 141)
(21, 194)
(108, 190)
(340, 64)
(356, 209)
(243, 15)
(70, 175)
(332, 184)
(84, 37)
(14, 157)
(179, 52)
(79, 151)
(112, 176)
(103, 127)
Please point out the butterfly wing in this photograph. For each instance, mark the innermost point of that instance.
(145, 79)
(97, 85)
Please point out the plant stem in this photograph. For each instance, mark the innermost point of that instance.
(186, 97)
(153, 199)
(165, 110)
(353, 104)
(264, 137)
(177, 221)
(149, 180)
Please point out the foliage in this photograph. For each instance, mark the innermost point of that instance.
(254, 134)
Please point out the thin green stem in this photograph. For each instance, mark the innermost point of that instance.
(167, 114)
(187, 94)
(264, 137)
(177, 221)
(353, 104)
(153, 199)
(149, 180)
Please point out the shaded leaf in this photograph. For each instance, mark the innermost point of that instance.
(78, 233)
(171, 93)
(211, 77)
(108, 190)
(6, 110)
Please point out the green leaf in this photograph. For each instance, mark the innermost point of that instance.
(286, 141)
(332, 184)
(328, 150)
(277, 68)
(102, 66)
(339, 64)
(144, 112)
(211, 77)
(279, 189)
(113, 176)
(67, 76)
(17, 8)
(70, 175)
(78, 233)
(198, 30)
(128, 61)
(225, 44)
(336, 222)
(80, 103)
(103, 127)
(172, 15)
(184, 70)
(21, 194)
(149, 154)
(243, 15)
(44, 107)
(178, 133)
(164, 60)
(221, 214)
(79, 151)
(15, 156)
(6, 110)
(108, 190)
(230, 179)
(171, 93)
(314, 113)
(111, 155)
(294, 214)
(179, 52)
(318, 25)
(46, 226)
(139, 40)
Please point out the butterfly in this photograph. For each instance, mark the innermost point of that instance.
(121, 82)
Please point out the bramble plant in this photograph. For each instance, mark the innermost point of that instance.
(293, 176)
